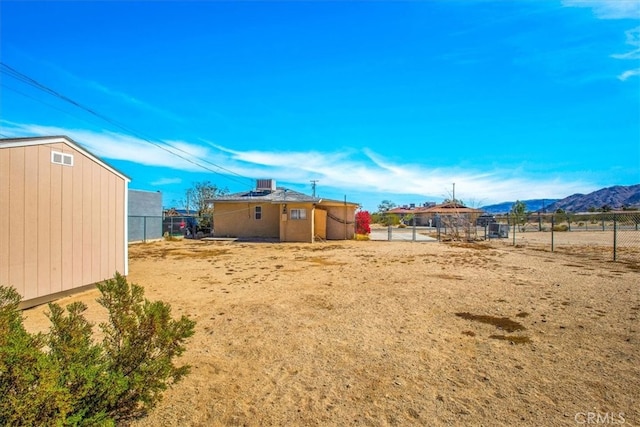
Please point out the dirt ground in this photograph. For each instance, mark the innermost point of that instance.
(392, 333)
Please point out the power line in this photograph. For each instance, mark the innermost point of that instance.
(12, 72)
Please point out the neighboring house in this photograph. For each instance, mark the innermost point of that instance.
(437, 215)
(280, 214)
(145, 215)
(67, 215)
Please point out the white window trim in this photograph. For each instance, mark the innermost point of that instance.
(301, 214)
(66, 159)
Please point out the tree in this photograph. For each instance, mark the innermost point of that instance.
(519, 213)
(386, 205)
(198, 197)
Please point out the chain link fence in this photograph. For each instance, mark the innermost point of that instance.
(604, 236)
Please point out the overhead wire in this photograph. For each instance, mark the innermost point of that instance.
(12, 72)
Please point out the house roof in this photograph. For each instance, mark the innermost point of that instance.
(43, 140)
(444, 208)
(279, 195)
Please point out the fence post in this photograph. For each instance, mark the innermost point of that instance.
(414, 228)
(389, 232)
(553, 220)
(615, 236)
(144, 226)
(539, 222)
(514, 230)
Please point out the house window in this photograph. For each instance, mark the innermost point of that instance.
(298, 214)
(258, 212)
(61, 158)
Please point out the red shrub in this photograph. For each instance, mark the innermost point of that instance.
(363, 221)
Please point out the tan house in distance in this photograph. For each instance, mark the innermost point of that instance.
(66, 216)
(437, 215)
(280, 214)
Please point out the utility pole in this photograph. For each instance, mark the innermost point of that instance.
(454, 192)
(313, 187)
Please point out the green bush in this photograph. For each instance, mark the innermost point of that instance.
(561, 227)
(64, 378)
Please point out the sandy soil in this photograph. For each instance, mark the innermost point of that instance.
(392, 333)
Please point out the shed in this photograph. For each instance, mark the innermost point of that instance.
(67, 216)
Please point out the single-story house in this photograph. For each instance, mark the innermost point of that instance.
(438, 215)
(66, 212)
(280, 214)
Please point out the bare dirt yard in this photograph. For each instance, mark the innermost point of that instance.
(392, 333)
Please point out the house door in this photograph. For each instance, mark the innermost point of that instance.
(320, 223)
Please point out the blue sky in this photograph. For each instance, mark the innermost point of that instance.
(376, 100)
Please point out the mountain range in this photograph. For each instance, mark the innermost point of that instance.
(616, 197)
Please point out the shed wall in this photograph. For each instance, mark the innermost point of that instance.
(67, 223)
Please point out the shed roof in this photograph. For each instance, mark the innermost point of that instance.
(43, 140)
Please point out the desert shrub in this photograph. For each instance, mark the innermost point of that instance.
(561, 227)
(65, 378)
(363, 223)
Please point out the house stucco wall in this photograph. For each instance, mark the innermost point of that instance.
(67, 223)
(297, 230)
(337, 230)
(238, 220)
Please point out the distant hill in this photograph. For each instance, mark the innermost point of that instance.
(532, 206)
(616, 197)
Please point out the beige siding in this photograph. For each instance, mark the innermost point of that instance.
(4, 213)
(66, 223)
(43, 228)
(16, 219)
(31, 222)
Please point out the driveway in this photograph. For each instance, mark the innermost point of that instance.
(402, 234)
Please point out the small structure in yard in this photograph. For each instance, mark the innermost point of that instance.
(280, 214)
(497, 231)
(67, 216)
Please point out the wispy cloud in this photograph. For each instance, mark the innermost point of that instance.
(633, 39)
(166, 181)
(608, 9)
(112, 145)
(362, 171)
(616, 9)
